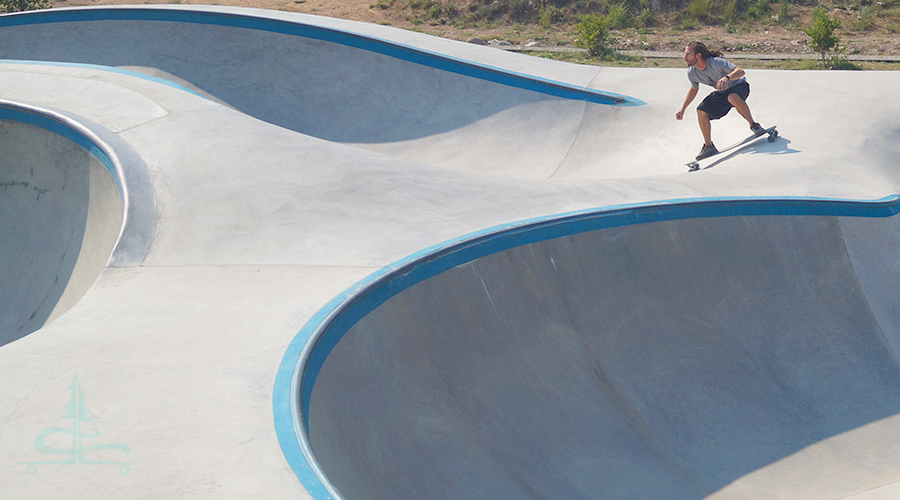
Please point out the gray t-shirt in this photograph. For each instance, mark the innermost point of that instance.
(716, 68)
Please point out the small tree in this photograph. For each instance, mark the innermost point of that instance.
(821, 31)
(594, 36)
(23, 5)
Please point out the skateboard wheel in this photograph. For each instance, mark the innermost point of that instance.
(772, 137)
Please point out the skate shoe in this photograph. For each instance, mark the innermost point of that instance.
(757, 129)
(707, 151)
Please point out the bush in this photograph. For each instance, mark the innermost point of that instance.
(644, 19)
(699, 9)
(548, 16)
(23, 5)
(730, 12)
(618, 16)
(759, 9)
(594, 36)
(821, 32)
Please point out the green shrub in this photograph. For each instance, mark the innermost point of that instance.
(699, 9)
(689, 24)
(594, 36)
(822, 37)
(618, 16)
(843, 64)
(644, 19)
(730, 12)
(548, 16)
(759, 9)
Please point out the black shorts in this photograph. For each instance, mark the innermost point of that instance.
(716, 104)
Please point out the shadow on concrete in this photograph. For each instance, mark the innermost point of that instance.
(661, 360)
(315, 86)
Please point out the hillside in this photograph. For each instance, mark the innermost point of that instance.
(868, 28)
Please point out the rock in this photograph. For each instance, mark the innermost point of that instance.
(476, 41)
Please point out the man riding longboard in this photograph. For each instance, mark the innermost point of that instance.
(731, 91)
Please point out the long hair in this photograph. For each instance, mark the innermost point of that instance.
(700, 48)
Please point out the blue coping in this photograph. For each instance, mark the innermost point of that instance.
(334, 35)
(60, 128)
(306, 354)
(107, 69)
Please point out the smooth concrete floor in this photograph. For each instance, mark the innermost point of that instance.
(267, 172)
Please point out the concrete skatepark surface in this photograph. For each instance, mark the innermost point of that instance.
(257, 254)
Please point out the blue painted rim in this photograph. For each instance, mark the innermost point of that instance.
(307, 352)
(107, 69)
(64, 130)
(334, 35)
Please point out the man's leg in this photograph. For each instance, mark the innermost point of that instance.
(705, 127)
(741, 106)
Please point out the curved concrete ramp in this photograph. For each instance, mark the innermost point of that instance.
(60, 216)
(282, 158)
(739, 356)
(324, 80)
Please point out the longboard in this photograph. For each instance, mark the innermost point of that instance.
(694, 165)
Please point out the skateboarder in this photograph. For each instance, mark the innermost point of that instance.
(708, 67)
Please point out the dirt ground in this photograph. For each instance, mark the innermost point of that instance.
(880, 39)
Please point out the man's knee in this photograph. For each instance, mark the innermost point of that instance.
(735, 100)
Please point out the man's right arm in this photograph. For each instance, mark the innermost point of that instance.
(688, 99)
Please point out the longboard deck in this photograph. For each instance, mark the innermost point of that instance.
(771, 132)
